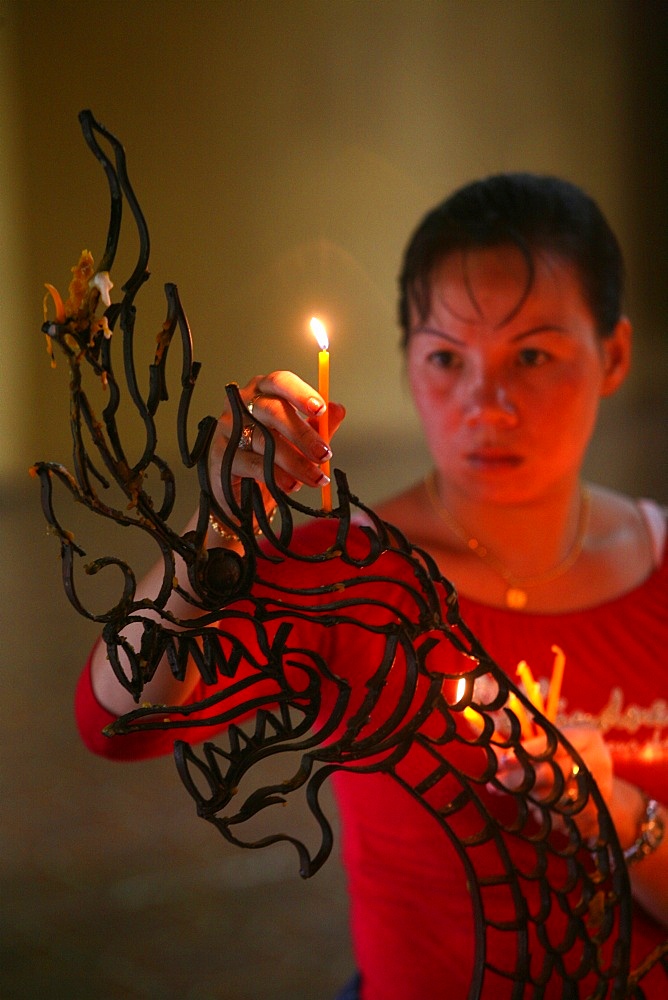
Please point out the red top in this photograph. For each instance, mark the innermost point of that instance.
(410, 909)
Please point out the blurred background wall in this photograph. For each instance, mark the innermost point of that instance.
(281, 152)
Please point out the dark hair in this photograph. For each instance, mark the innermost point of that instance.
(529, 211)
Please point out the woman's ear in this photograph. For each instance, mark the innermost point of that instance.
(617, 356)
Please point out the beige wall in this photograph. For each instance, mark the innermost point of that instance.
(282, 151)
(18, 357)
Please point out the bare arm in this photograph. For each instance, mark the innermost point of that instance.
(649, 875)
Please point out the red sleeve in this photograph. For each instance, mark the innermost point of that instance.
(145, 740)
(233, 699)
(91, 719)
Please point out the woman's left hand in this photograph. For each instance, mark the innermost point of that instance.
(592, 748)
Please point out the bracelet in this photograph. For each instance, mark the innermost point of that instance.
(231, 536)
(225, 533)
(650, 833)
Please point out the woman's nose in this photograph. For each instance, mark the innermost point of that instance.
(488, 399)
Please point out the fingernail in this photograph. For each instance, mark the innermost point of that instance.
(322, 480)
(316, 407)
(294, 487)
(323, 453)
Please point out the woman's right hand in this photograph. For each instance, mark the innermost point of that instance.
(289, 409)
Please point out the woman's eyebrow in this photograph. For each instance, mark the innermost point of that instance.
(540, 328)
(439, 333)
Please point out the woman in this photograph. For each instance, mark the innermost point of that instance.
(513, 333)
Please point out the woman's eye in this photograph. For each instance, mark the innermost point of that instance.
(444, 359)
(533, 357)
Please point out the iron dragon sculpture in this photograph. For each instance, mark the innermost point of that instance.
(586, 880)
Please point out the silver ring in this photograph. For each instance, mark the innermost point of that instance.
(246, 439)
(253, 401)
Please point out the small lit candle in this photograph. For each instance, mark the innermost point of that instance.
(555, 683)
(531, 687)
(516, 706)
(474, 719)
(320, 333)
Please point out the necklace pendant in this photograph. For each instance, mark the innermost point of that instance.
(516, 598)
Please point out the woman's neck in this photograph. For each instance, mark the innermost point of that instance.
(513, 550)
(527, 539)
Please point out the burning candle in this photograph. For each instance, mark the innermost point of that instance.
(320, 333)
(555, 683)
(474, 719)
(518, 708)
(531, 686)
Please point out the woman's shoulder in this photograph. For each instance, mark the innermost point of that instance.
(655, 516)
(615, 501)
(620, 522)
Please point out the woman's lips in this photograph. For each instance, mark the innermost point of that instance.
(493, 458)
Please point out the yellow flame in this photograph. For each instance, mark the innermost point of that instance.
(319, 331)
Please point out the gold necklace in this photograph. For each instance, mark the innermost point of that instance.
(516, 596)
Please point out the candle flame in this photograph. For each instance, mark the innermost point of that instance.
(472, 715)
(319, 331)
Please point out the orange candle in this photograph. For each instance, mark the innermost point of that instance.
(531, 686)
(555, 683)
(320, 333)
(518, 708)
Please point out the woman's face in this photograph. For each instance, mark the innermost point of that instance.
(508, 393)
